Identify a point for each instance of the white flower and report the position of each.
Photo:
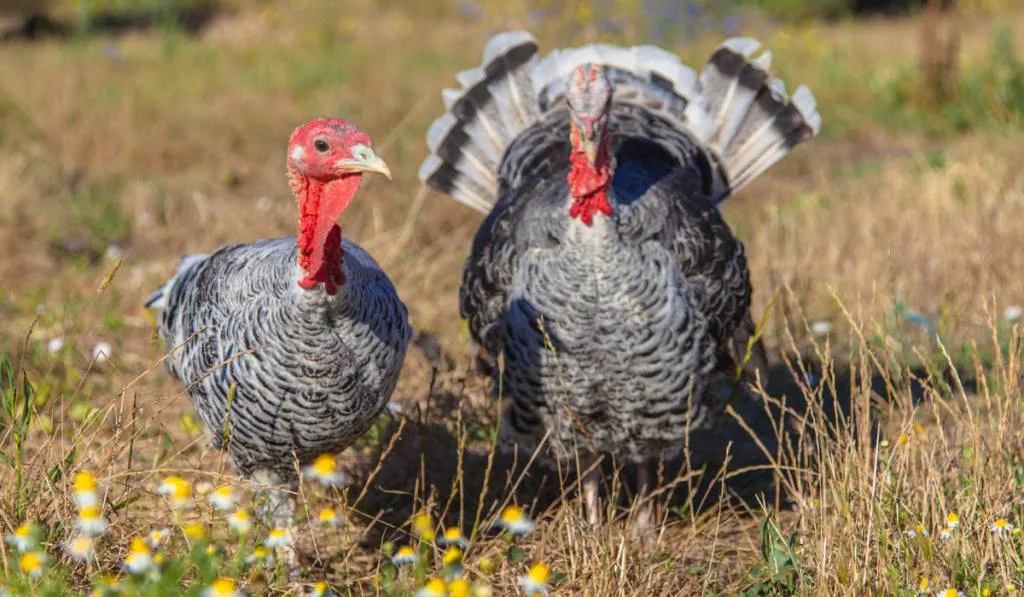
(536, 580)
(950, 592)
(54, 345)
(90, 521)
(86, 490)
(139, 559)
(952, 520)
(329, 517)
(82, 548)
(157, 536)
(453, 536)
(320, 589)
(945, 534)
(1013, 313)
(917, 530)
(261, 555)
(32, 563)
(223, 498)
(435, 587)
(325, 470)
(177, 490)
(1000, 526)
(278, 538)
(821, 328)
(404, 556)
(222, 587)
(240, 522)
(101, 352)
(23, 538)
(514, 520)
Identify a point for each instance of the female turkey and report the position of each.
(290, 348)
(604, 273)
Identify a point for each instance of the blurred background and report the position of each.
(132, 132)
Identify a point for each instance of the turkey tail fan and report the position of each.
(755, 122)
(496, 102)
(158, 299)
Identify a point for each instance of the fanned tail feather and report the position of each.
(735, 109)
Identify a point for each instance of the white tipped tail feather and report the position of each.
(735, 108)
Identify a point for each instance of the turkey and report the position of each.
(603, 273)
(290, 348)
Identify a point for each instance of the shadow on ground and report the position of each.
(426, 457)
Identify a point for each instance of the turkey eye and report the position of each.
(321, 145)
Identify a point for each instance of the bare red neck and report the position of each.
(588, 183)
(319, 237)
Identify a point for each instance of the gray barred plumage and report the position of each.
(310, 371)
(610, 331)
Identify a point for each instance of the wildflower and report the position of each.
(177, 490)
(157, 536)
(320, 589)
(1012, 313)
(203, 488)
(821, 328)
(917, 530)
(240, 521)
(86, 490)
(514, 520)
(458, 587)
(922, 586)
(325, 470)
(139, 559)
(453, 536)
(32, 563)
(950, 592)
(952, 520)
(1000, 526)
(90, 521)
(81, 548)
(54, 345)
(212, 549)
(101, 352)
(108, 584)
(1011, 589)
(452, 563)
(24, 538)
(195, 531)
(223, 498)
(261, 555)
(222, 587)
(278, 538)
(487, 565)
(536, 580)
(423, 527)
(946, 534)
(435, 587)
(328, 517)
(405, 555)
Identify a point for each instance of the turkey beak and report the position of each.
(590, 150)
(371, 163)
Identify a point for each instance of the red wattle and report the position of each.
(319, 239)
(588, 185)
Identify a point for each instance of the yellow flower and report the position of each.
(320, 589)
(536, 580)
(81, 548)
(90, 521)
(435, 587)
(85, 489)
(32, 563)
(922, 585)
(24, 538)
(986, 592)
(195, 531)
(952, 520)
(240, 522)
(328, 517)
(405, 555)
(325, 470)
(452, 555)
(139, 559)
(487, 565)
(950, 593)
(1000, 526)
(223, 498)
(277, 538)
(423, 527)
(177, 490)
(458, 588)
(514, 520)
(261, 555)
(453, 536)
(222, 587)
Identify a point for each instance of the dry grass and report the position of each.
(166, 145)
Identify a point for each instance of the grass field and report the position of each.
(885, 255)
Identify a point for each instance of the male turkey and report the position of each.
(290, 348)
(604, 273)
